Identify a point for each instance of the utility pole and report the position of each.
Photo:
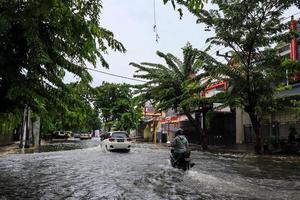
(23, 138)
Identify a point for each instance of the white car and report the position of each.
(116, 140)
(59, 135)
(85, 136)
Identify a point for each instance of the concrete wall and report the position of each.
(242, 118)
(147, 133)
(36, 132)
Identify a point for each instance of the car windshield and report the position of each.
(119, 135)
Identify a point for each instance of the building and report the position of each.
(279, 123)
(232, 125)
(222, 129)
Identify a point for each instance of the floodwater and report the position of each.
(82, 170)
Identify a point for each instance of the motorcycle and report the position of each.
(182, 162)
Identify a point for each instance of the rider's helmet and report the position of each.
(179, 132)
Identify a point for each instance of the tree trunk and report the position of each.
(256, 126)
(198, 129)
(23, 129)
(27, 140)
(204, 131)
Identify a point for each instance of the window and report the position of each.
(119, 134)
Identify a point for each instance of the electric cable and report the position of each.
(116, 75)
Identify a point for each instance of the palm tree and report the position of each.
(175, 85)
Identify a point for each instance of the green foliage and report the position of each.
(190, 4)
(9, 122)
(208, 118)
(117, 106)
(291, 68)
(282, 87)
(249, 28)
(41, 40)
(174, 85)
(74, 111)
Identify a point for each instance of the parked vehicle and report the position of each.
(116, 140)
(59, 135)
(76, 135)
(84, 136)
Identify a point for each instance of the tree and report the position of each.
(40, 40)
(191, 4)
(175, 85)
(248, 28)
(75, 111)
(117, 106)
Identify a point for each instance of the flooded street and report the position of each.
(89, 172)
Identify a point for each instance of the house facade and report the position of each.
(279, 124)
(231, 125)
(222, 127)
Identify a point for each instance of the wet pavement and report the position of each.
(82, 170)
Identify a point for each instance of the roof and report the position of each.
(287, 93)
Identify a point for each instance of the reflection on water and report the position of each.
(64, 145)
(92, 173)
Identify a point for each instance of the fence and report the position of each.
(277, 131)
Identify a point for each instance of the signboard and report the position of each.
(219, 108)
(149, 110)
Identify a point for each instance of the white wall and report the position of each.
(242, 118)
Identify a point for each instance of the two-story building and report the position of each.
(280, 122)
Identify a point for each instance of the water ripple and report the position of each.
(144, 173)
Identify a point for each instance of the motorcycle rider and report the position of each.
(180, 146)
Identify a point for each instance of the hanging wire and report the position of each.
(155, 29)
(115, 75)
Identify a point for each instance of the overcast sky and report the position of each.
(132, 23)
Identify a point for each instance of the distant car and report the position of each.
(85, 136)
(116, 140)
(59, 135)
(76, 135)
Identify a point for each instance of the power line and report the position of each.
(205, 46)
(214, 49)
(219, 48)
(116, 75)
(290, 16)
